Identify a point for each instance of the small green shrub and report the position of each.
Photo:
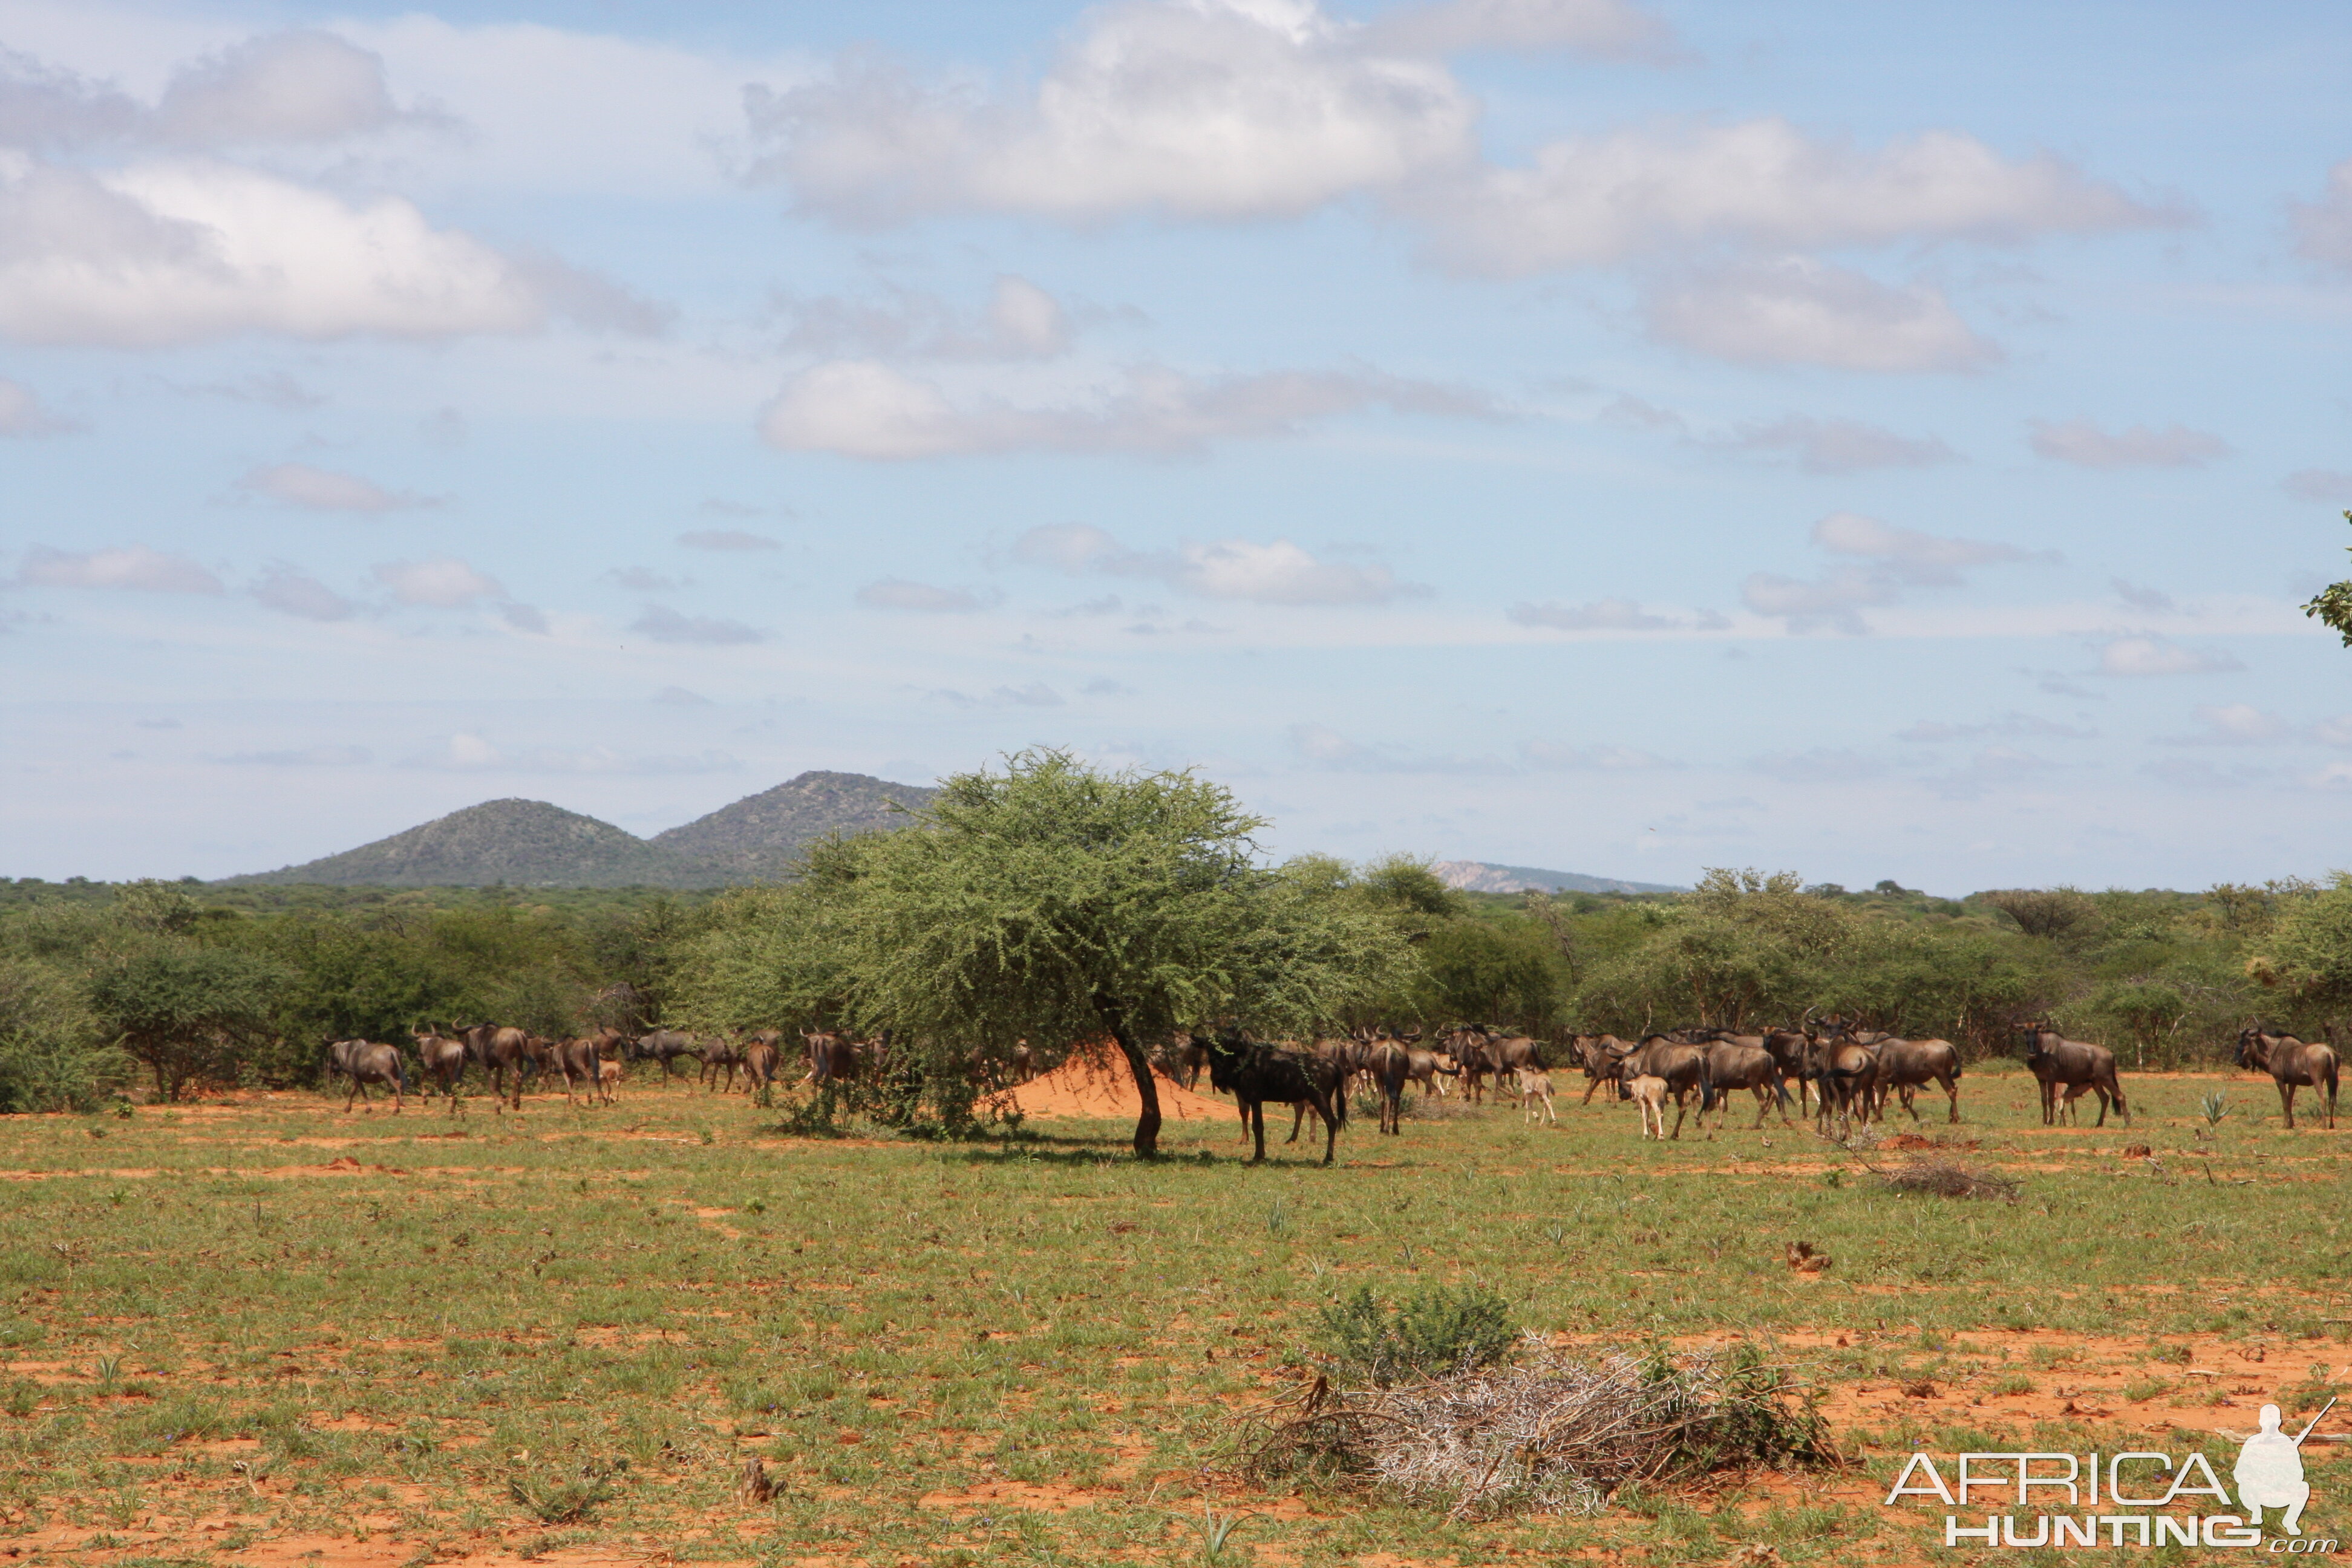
(567, 1501)
(1434, 1330)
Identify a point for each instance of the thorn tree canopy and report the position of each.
(2333, 603)
(1060, 903)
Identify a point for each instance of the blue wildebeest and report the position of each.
(2077, 1067)
(1906, 1066)
(365, 1062)
(2293, 1064)
(1255, 1073)
(1669, 1057)
(445, 1062)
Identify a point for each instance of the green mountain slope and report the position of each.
(524, 843)
(761, 835)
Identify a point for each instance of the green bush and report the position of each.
(1434, 1330)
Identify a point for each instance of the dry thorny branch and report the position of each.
(1547, 1434)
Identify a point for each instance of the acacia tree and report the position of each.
(2333, 605)
(1060, 903)
(183, 1010)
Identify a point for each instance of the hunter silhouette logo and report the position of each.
(2269, 1471)
(2126, 1498)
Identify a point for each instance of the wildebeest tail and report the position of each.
(1706, 1087)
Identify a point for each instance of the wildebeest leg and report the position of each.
(1952, 1089)
(1682, 1109)
(1256, 1115)
(1331, 1131)
(1763, 1104)
(2287, 1102)
(1297, 1116)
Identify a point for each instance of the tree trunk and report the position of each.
(1147, 1125)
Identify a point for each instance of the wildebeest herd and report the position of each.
(1840, 1070)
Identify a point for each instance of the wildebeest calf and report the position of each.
(1534, 1090)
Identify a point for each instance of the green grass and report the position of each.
(614, 1309)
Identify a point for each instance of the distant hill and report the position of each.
(1478, 877)
(524, 843)
(530, 843)
(762, 835)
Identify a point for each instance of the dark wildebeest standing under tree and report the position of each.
(2075, 1066)
(1255, 1073)
(364, 1062)
(2293, 1064)
(831, 1057)
(721, 1053)
(1600, 1055)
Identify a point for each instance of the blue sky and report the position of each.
(1875, 441)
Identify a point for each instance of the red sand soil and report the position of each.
(1105, 1091)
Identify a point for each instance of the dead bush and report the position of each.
(1949, 1178)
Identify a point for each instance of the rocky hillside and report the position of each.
(1479, 876)
(760, 835)
(524, 843)
(530, 843)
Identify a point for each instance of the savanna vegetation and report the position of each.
(1053, 904)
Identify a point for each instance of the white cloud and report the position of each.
(2185, 773)
(726, 539)
(1899, 558)
(289, 593)
(172, 253)
(284, 87)
(43, 106)
(1607, 28)
(1841, 445)
(1822, 764)
(2157, 656)
(1930, 731)
(2081, 442)
(324, 489)
(133, 566)
(861, 408)
(23, 413)
(1607, 615)
(308, 757)
(1797, 311)
(2153, 601)
(1761, 184)
(1279, 573)
(443, 581)
(2336, 732)
(644, 580)
(2329, 486)
(1551, 756)
(185, 251)
(1909, 554)
(679, 697)
(524, 618)
(664, 625)
(2323, 229)
(1213, 108)
(2234, 724)
(1988, 769)
(466, 752)
(899, 593)
(1021, 321)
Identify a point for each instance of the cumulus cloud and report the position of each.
(2234, 724)
(308, 757)
(1988, 769)
(1798, 311)
(664, 625)
(1021, 321)
(2160, 655)
(1552, 756)
(189, 250)
(2324, 485)
(679, 697)
(466, 752)
(1608, 616)
(1760, 184)
(2153, 601)
(1822, 764)
(324, 489)
(726, 539)
(1606, 28)
(443, 581)
(2083, 443)
(2323, 229)
(900, 593)
(133, 567)
(293, 87)
(1910, 555)
(1211, 109)
(861, 408)
(292, 594)
(1898, 558)
(1930, 731)
(23, 413)
(1841, 445)
(1279, 573)
(524, 618)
